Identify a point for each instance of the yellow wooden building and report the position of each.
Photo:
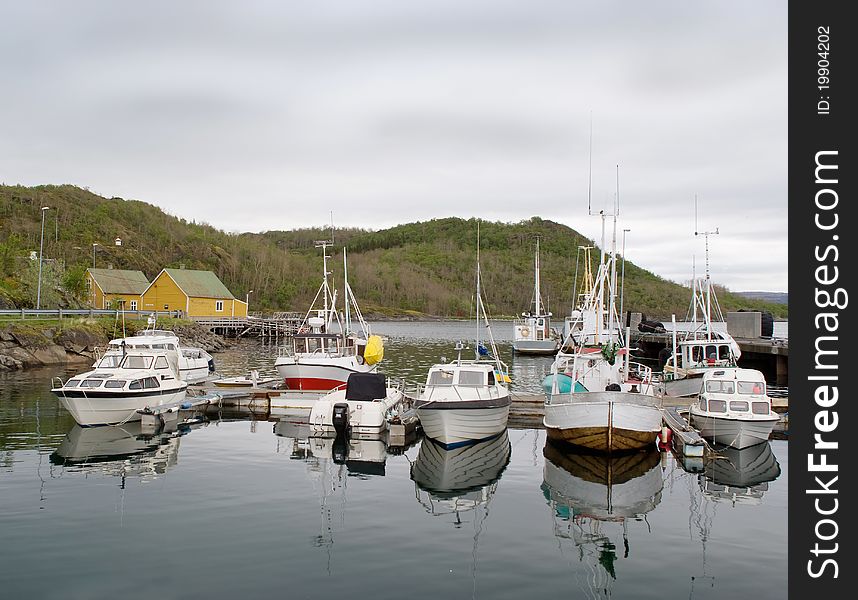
(195, 293)
(108, 288)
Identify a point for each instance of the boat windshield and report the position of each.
(720, 387)
(109, 361)
(472, 378)
(137, 362)
(751, 387)
(440, 378)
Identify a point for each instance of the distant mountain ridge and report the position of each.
(425, 268)
(773, 297)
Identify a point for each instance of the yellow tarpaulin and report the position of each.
(374, 350)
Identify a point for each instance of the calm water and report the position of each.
(251, 508)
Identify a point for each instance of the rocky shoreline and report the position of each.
(26, 345)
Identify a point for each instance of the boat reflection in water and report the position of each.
(360, 457)
(121, 450)
(461, 479)
(593, 497)
(739, 476)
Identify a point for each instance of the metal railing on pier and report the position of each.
(67, 313)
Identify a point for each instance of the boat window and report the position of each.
(150, 382)
(724, 352)
(136, 385)
(711, 352)
(137, 362)
(115, 383)
(739, 405)
(160, 346)
(760, 408)
(72, 383)
(491, 378)
(717, 406)
(702, 403)
(110, 361)
(472, 378)
(696, 353)
(719, 387)
(441, 378)
(161, 363)
(750, 387)
(91, 383)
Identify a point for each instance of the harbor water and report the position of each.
(250, 508)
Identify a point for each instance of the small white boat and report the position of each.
(122, 384)
(733, 408)
(325, 350)
(532, 332)
(195, 364)
(251, 380)
(359, 409)
(466, 401)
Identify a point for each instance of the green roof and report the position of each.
(199, 284)
(117, 281)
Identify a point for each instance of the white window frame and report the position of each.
(133, 305)
(218, 305)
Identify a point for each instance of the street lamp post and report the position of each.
(623, 276)
(247, 302)
(41, 246)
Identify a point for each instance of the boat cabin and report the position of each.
(699, 354)
(738, 392)
(468, 375)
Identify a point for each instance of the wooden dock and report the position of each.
(276, 326)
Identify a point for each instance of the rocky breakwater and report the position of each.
(26, 345)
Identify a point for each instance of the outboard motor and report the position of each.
(340, 419)
(211, 365)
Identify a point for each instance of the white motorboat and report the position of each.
(325, 350)
(360, 409)
(595, 396)
(251, 380)
(460, 479)
(733, 408)
(532, 332)
(595, 500)
(195, 364)
(466, 401)
(120, 385)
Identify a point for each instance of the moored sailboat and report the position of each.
(532, 332)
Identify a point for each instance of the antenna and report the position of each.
(590, 171)
(332, 228)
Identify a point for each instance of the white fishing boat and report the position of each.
(359, 409)
(466, 401)
(595, 396)
(740, 476)
(122, 384)
(584, 326)
(251, 380)
(195, 364)
(532, 332)
(597, 504)
(706, 345)
(451, 481)
(733, 408)
(326, 350)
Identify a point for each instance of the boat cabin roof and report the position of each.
(735, 374)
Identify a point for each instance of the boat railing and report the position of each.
(57, 380)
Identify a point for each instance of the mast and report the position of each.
(479, 300)
(537, 297)
(347, 300)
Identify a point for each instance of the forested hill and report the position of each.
(424, 267)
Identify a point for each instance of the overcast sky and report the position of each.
(254, 116)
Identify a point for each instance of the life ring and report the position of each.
(359, 359)
(525, 332)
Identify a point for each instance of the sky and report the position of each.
(255, 116)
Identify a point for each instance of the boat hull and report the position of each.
(320, 374)
(687, 387)
(604, 421)
(541, 347)
(366, 417)
(738, 433)
(454, 424)
(108, 409)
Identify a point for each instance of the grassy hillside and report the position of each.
(425, 267)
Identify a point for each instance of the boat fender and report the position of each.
(211, 365)
(664, 436)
